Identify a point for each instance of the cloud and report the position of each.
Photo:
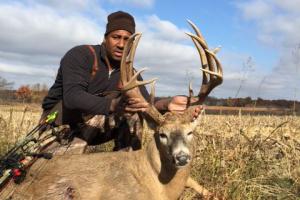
(278, 22)
(27, 70)
(34, 37)
(290, 6)
(77, 7)
(162, 29)
(277, 26)
(41, 35)
(39, 30)
(71, 5)
(36, 34)
(254, 10)
(136, 3)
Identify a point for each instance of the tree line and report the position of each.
(24, 94)
(36, 92)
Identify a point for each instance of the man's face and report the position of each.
(115, 43)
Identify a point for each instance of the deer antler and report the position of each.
(129, 78)
(211, 66)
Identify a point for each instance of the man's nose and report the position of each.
(121, 43)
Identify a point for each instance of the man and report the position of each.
(81, 84)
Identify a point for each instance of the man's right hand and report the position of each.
(136, 105)
(131, 105)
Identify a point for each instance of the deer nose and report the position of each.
(182, 159)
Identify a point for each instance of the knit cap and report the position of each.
(120, 21)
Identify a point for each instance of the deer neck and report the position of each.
(172, 178)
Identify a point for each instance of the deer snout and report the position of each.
(181, 159)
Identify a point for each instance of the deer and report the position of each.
(159, 171)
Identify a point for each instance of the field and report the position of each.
(237, 157)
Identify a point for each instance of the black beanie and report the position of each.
(120, 21)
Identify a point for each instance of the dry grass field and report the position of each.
(237, 157)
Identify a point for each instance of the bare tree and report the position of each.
(258, 90)
(296, 61)
(4, 84)
(24, 93)
(248, 66)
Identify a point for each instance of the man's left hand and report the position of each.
(179, 104)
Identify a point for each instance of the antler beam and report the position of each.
(211, 66)
(129, 80)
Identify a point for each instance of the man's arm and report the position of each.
(162, 104)
(176, 104)
(76, 76)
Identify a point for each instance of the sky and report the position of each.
(260, 41)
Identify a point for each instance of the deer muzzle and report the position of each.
(181, 159)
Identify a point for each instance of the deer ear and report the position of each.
(193, 113)
(195, 121)
(194, 118)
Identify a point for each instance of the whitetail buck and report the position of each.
(159, 171)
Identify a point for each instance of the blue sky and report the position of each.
(35, 34)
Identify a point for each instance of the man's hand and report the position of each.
(179, 104)
(136, 105)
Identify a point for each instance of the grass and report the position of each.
(249, 158)
(15, 122)
(237, 157)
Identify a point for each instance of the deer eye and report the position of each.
(189, 136)
(190, 133)
(163, 136)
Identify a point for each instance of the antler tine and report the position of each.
(219, 72)
(191, 92)
(133, 82)
(204, 63)
(202, 43)
(196, 29)
(129, 78)
(127, 58)
(152, 93)
(211, 66)
(135, 42)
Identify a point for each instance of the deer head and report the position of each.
(174, 131)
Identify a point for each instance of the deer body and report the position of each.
(145, 174)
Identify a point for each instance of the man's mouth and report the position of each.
(118, 53)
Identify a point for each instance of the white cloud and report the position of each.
(40, 30)
(277, 26)
(34, 37)
(43, 71)
(162, 29)
(137, 3)
(291, 6)
(66, 4)
(255, 9)
(92, 7)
